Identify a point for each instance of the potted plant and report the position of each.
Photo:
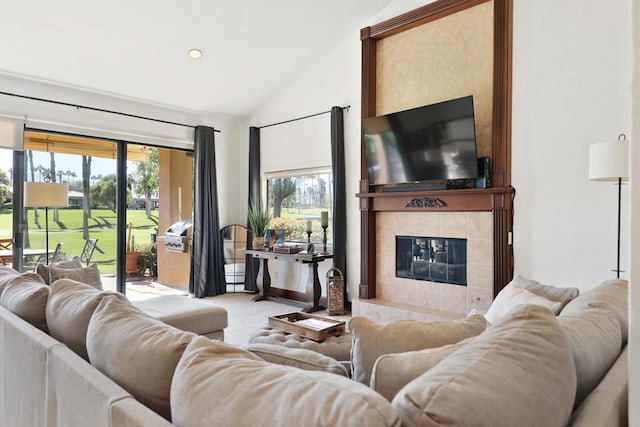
(259, 219)
(147, 261)
(131, 256)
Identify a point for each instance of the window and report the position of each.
(296, 197)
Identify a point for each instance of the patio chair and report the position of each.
(87, 251)
(6, 245)
(57, 254)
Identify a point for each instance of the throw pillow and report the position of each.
(87, 275)
(371, 340)
(517, 373)
(562, 295)
(596, 338)
(612, 295)
(224, 385)
(43, 269)
(513, 295)
(7, 274)
(136, 351)
(393, 371)
(69, 309)
(297, 357)
(26, 296)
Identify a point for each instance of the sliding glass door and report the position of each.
(120, 199)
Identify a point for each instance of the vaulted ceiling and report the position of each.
(138, 49)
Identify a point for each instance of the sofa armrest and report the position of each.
(607, 405)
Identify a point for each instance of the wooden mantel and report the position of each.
(499, 198)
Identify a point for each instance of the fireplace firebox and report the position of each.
(434, 259)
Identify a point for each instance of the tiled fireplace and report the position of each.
(406, 298)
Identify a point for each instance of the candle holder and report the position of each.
(324, 240)
(309, 236)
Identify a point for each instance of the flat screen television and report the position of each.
(434, 142)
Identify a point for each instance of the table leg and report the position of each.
(313, 290)
(263, 279)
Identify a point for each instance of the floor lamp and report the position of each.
(608, 161)
(46, 195)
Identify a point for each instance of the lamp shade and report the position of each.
(46, 194)
(608, 161)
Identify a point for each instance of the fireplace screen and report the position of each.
(432, 258)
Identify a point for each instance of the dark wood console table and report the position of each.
(313, 289)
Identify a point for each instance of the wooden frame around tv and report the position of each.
(499, 198)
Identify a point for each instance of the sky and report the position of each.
(64, 162)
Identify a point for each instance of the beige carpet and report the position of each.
(244, 315)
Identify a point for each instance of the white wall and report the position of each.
(572, 74)
(334, 80)
(634, 297)
(85, 122)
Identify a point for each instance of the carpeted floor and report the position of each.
(244, 315)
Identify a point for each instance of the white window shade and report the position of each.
(11, 131)
(302, 144)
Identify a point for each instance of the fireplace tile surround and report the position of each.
(401, 298)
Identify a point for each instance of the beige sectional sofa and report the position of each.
(530, 368)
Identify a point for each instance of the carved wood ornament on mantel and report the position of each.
(426, 202)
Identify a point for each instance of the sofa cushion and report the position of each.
(393, 371)
(371, 340)
(69, 309)
(136, 351)
(188, 314)
(297, 357)
(558, 294)
(595, 339)
(221, 384)
(43, 269)
(513, 295)
(608, 404)
(517, 373)
(6, 275)
(87, 275)
(25, 295)
(611, 295)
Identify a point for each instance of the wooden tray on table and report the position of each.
(306, 325)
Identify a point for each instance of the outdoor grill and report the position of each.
(178, 235)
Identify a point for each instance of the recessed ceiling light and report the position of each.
(194, 53)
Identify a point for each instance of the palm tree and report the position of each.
(86, 206)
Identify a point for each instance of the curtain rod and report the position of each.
(301, 118)
(102, 110)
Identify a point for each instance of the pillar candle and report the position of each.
(309, 225)
(324, 218)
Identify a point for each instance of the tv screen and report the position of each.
(434, 142)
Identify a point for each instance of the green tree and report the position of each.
(86, 207)
(4, 188)
(104, 192)
(280, 189)
(147, 178)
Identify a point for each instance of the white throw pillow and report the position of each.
(513, 295)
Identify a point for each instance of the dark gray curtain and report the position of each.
(339, 194)
(252, 265)
(207, 257)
